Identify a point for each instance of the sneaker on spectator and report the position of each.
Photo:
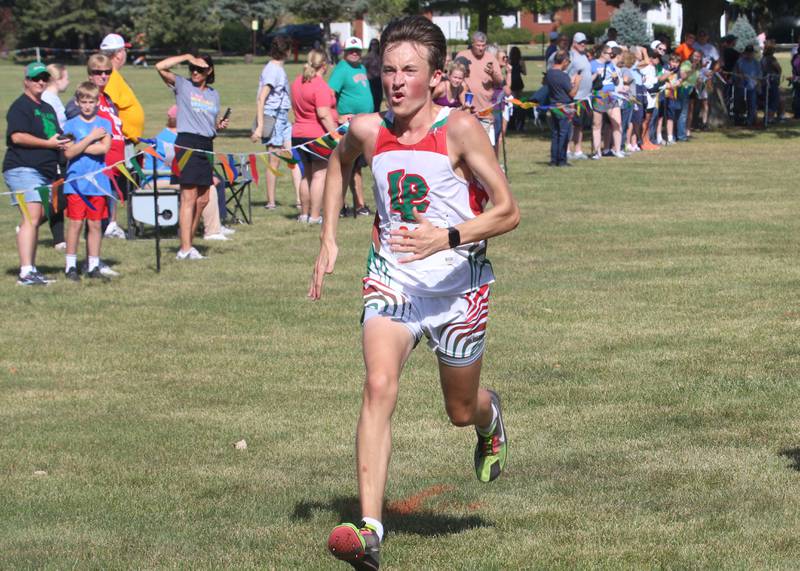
(72, 275)
(570, 155)
(96, 274)
(344, 212)
(43, 277)
(270, 206)
(618, 154)
(31, 279)
(106, 270)
(579, 156)
(227, 231)
(608, 153)
(218, 236)
(61, 246)
(114, 231)
(302, 218)
(191, 254)
(596, 157)
(364, 211)
(315, 220)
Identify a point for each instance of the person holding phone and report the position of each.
(483, 79)
(198, 123)
(33, 142)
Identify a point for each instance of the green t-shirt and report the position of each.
(691, 76)
(351, 86)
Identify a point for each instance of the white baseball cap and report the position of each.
(113, 42)
(579, 37)
(612, 44)
(654, 44)
(353, 43)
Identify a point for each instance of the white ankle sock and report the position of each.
(489, 429)
(94, 261)
(72, 261)
(374, 523)
(25, 270)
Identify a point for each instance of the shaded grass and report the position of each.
(643, 335)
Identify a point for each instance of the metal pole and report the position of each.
(38, 55)
(157, 213)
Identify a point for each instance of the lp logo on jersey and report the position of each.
(407, 192)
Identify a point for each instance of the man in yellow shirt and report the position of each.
(130, 110)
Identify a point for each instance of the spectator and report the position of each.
(795, 82)
(605, 105)
(198, 108)
(703, 44)
(552, 48)
(686, 85)
(626, 89)
(580, 66)
(450, 91)
(129, 109)
(686, 49)
(562, 45)
(651, 86)
(334, 48)
(518, 69)
(748, 76)
(502, 109)
(92, 140)
(483, 79)
(100, 70)
(274, 101)
(372, 63)
(562, 91)
(694, 86)
(674, 99)
(612, 35)
(59, 81)
(353, 96)
(314, 106)
(771, 72)
(33, 142)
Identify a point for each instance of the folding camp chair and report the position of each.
(238, 201)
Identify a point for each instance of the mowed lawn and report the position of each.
(643, 335)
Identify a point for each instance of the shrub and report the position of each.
(593, 30)
(234, 37)
(744, 32)
(505, 36)
(631, 25)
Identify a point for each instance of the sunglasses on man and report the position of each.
(42, 77)
(100, 72)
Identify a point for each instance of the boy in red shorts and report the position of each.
(87, 186)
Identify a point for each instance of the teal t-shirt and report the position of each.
(351, 86)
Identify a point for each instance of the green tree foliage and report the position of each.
(245, 11)
(631, 25)
(60, 23)
(380, 12)
(327, 11)
(744, 32)
(182, 26)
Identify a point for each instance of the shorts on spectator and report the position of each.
(25, 180)
(77, 209)
(673, 109)
(307, 156)
(488, 126)
(455, 325)
(281, 133)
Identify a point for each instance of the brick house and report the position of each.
(582, 11)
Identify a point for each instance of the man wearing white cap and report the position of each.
(350, 83)
(130, 110)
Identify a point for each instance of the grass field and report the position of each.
(643, 333)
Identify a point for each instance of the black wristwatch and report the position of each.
(454, 236)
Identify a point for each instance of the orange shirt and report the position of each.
(684, 51)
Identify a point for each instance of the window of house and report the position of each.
(585, 10)
(544, 18)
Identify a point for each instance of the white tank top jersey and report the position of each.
(420, 176)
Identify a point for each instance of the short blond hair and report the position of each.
(98, 60)
(86, 90)
(316, 59)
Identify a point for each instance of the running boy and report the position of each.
(92, 135)
(434, 171)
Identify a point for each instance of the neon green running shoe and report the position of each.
(492, 449)
(358, 546)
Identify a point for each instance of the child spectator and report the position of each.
(748, 76)
(673, 97)
(86, 197)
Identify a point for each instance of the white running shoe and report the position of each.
(315, 220)
(570, 155)
(580, 156)
(219, 236)
(191, 254)
(114, 231)
(619, 154)
(596, 157)
(227, 231)
(61, 246)
(303, 218)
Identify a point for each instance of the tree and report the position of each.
(327, 11)
(185, 26)
(744, 32)
(631, 25)
(60, 23)
(245, 11)
(381, 12)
